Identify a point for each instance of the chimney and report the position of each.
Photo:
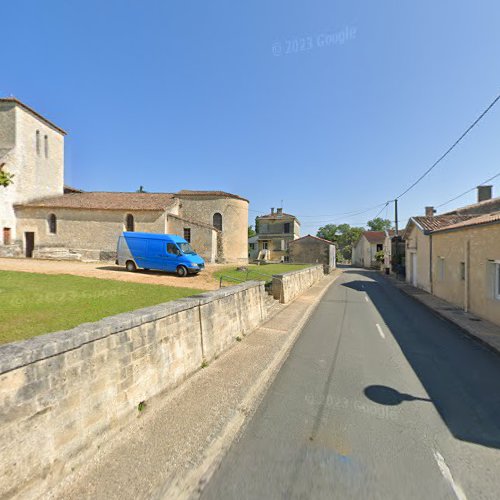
(272, 211)
(429, 211)
(484, 193)
(280, 211)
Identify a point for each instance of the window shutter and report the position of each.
(490, 279)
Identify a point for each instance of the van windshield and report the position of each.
(186, 248)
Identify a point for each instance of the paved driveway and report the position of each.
(104, 270)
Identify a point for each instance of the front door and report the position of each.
(414, 269)
(30, 244)
(6, 235)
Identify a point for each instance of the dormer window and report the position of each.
(38, 142)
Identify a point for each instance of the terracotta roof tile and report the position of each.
(483, 207)
(221, 194)
(314, 237)
(374, 236)
(105, 201)
(474, 221)
(439, 221)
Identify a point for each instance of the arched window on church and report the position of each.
(217, 221)
(129, 223)
(52, 224)
(37, 142)
(46, 139)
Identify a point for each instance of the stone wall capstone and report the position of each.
(287, 286)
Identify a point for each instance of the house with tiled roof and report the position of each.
(275, 231)
(367, 246)
(313, 250)
(420, 232)
(40, 216)
(466, 265)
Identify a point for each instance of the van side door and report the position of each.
(173, 254)
(157, 255)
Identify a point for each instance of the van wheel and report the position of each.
(130, 266)
(182, 271)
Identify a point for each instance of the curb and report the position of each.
(440, 315)
(191, 486)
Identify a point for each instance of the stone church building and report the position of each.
(41, 217)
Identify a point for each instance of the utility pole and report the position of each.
(396, 215)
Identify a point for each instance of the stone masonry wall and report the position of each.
(63, 394)
(287, 286)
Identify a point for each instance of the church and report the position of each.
(40, 217)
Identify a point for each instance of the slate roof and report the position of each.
(473, 221)
(14, 100)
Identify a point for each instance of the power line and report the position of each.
(468, 191)
(448, 151)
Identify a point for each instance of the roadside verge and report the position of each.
(178, 441)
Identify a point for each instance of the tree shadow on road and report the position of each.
(461, 377)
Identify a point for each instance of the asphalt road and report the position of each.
(379, 398)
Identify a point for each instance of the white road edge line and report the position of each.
(445, 471)
(382, 334)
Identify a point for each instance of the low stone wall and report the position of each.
(287, 286)
(14, 250)
(65, 393)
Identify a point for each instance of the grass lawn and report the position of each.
(267, 270)
(32, 304)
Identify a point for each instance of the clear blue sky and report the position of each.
(218, 95)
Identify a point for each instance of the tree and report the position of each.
(343, 236)
(251, 231)
(257, 225)
(141, 190)
(5, 177)
(379, 224)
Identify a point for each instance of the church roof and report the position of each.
(208, 194)
(105, 201)
(14, 100)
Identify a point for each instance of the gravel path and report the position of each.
(107, 270)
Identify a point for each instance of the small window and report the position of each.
(172, 249)
(380, 247)
(38, 142)
(187, 234)
(52, 224)
(130, 223)
(462, 271)
(286, 227)
(252, 246)
(46, 146)
(217, 221)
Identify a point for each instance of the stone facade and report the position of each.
(313, 250)
(287, 286)
(63, 394)
(38, 215)
(275, 231)
(31, 148)
(464, 269)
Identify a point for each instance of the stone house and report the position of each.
(40, 217)
(313, 250)
(419, 239)
(365, 249)
(275, 231)
(466, 265)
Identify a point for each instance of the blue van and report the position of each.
(164, 252)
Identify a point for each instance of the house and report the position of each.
(40, 217)
(466, 265)
(313, 250)
(368, 244)
(275, 231)
(419, 231)
(253, 247)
